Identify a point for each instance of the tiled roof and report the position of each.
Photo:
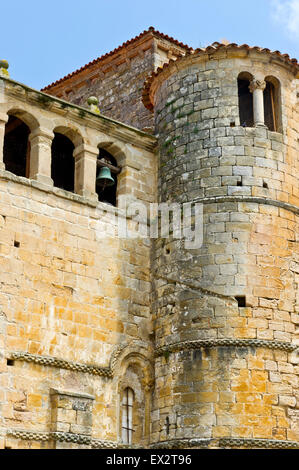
(216, 46)
(125, 44)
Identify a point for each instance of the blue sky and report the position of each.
(43, 41)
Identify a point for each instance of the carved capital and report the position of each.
(147, 381)
(257, 85)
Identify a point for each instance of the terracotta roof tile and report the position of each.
(216, 46)
(125, 44)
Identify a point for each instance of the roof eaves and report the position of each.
(114, 51)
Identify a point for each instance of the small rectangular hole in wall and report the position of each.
(239, 183)
(16, 244)
(241, 301)
(10, 362)
(265, 185)
(233, 124)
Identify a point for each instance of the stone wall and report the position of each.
(74, 301)
(224, 369)
(117, 80)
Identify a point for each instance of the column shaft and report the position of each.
(257, 89)
(86, 171)
(3, 121)
(40, 156)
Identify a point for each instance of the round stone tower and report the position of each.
(227, 314)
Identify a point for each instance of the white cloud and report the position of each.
(286, 13)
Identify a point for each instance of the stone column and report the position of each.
(257, 89)
(86, 171)
(3, 121)
(40, 156)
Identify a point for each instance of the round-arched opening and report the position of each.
(272, 104)
(63, 162)
(245, 100)
(16, 151)
(107, 193)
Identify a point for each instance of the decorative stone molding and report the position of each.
(252, 199)
(61, 437)
(258, 443)
(226, 342)
(182, 443)
(107, 371)
(226, 442)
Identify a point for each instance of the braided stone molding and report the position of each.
(182, 443)
(258, 443)
(107, 371)
(226, 442)
(29, 435)
(62, 437)
(228, 342)
(252, 199)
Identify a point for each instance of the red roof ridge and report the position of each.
(208, 50)
(151, 29)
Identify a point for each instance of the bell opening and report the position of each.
(106, 181)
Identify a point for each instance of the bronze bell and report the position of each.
(104, 177)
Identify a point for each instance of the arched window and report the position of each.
(105, 188)
(245, 100)
(127, 416)
(272, 104)
(16, 152)
(63, 162)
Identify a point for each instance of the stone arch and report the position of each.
(66, 139)
(272, 104)
(245, 99)
(29, 119)
(72, 133)
(116, 149)
(16, 148)
(114, 154)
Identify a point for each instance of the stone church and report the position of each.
(116, 342)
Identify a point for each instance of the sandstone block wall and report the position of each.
(74, 300)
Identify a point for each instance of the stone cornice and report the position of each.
(226, 443)
(252, 199)
(225, 342)
(107, 371)
(81, 439)
(62, 437)
(257, 443)
(81, 115)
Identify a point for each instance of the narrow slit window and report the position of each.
(127, 416)
(245, 100)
